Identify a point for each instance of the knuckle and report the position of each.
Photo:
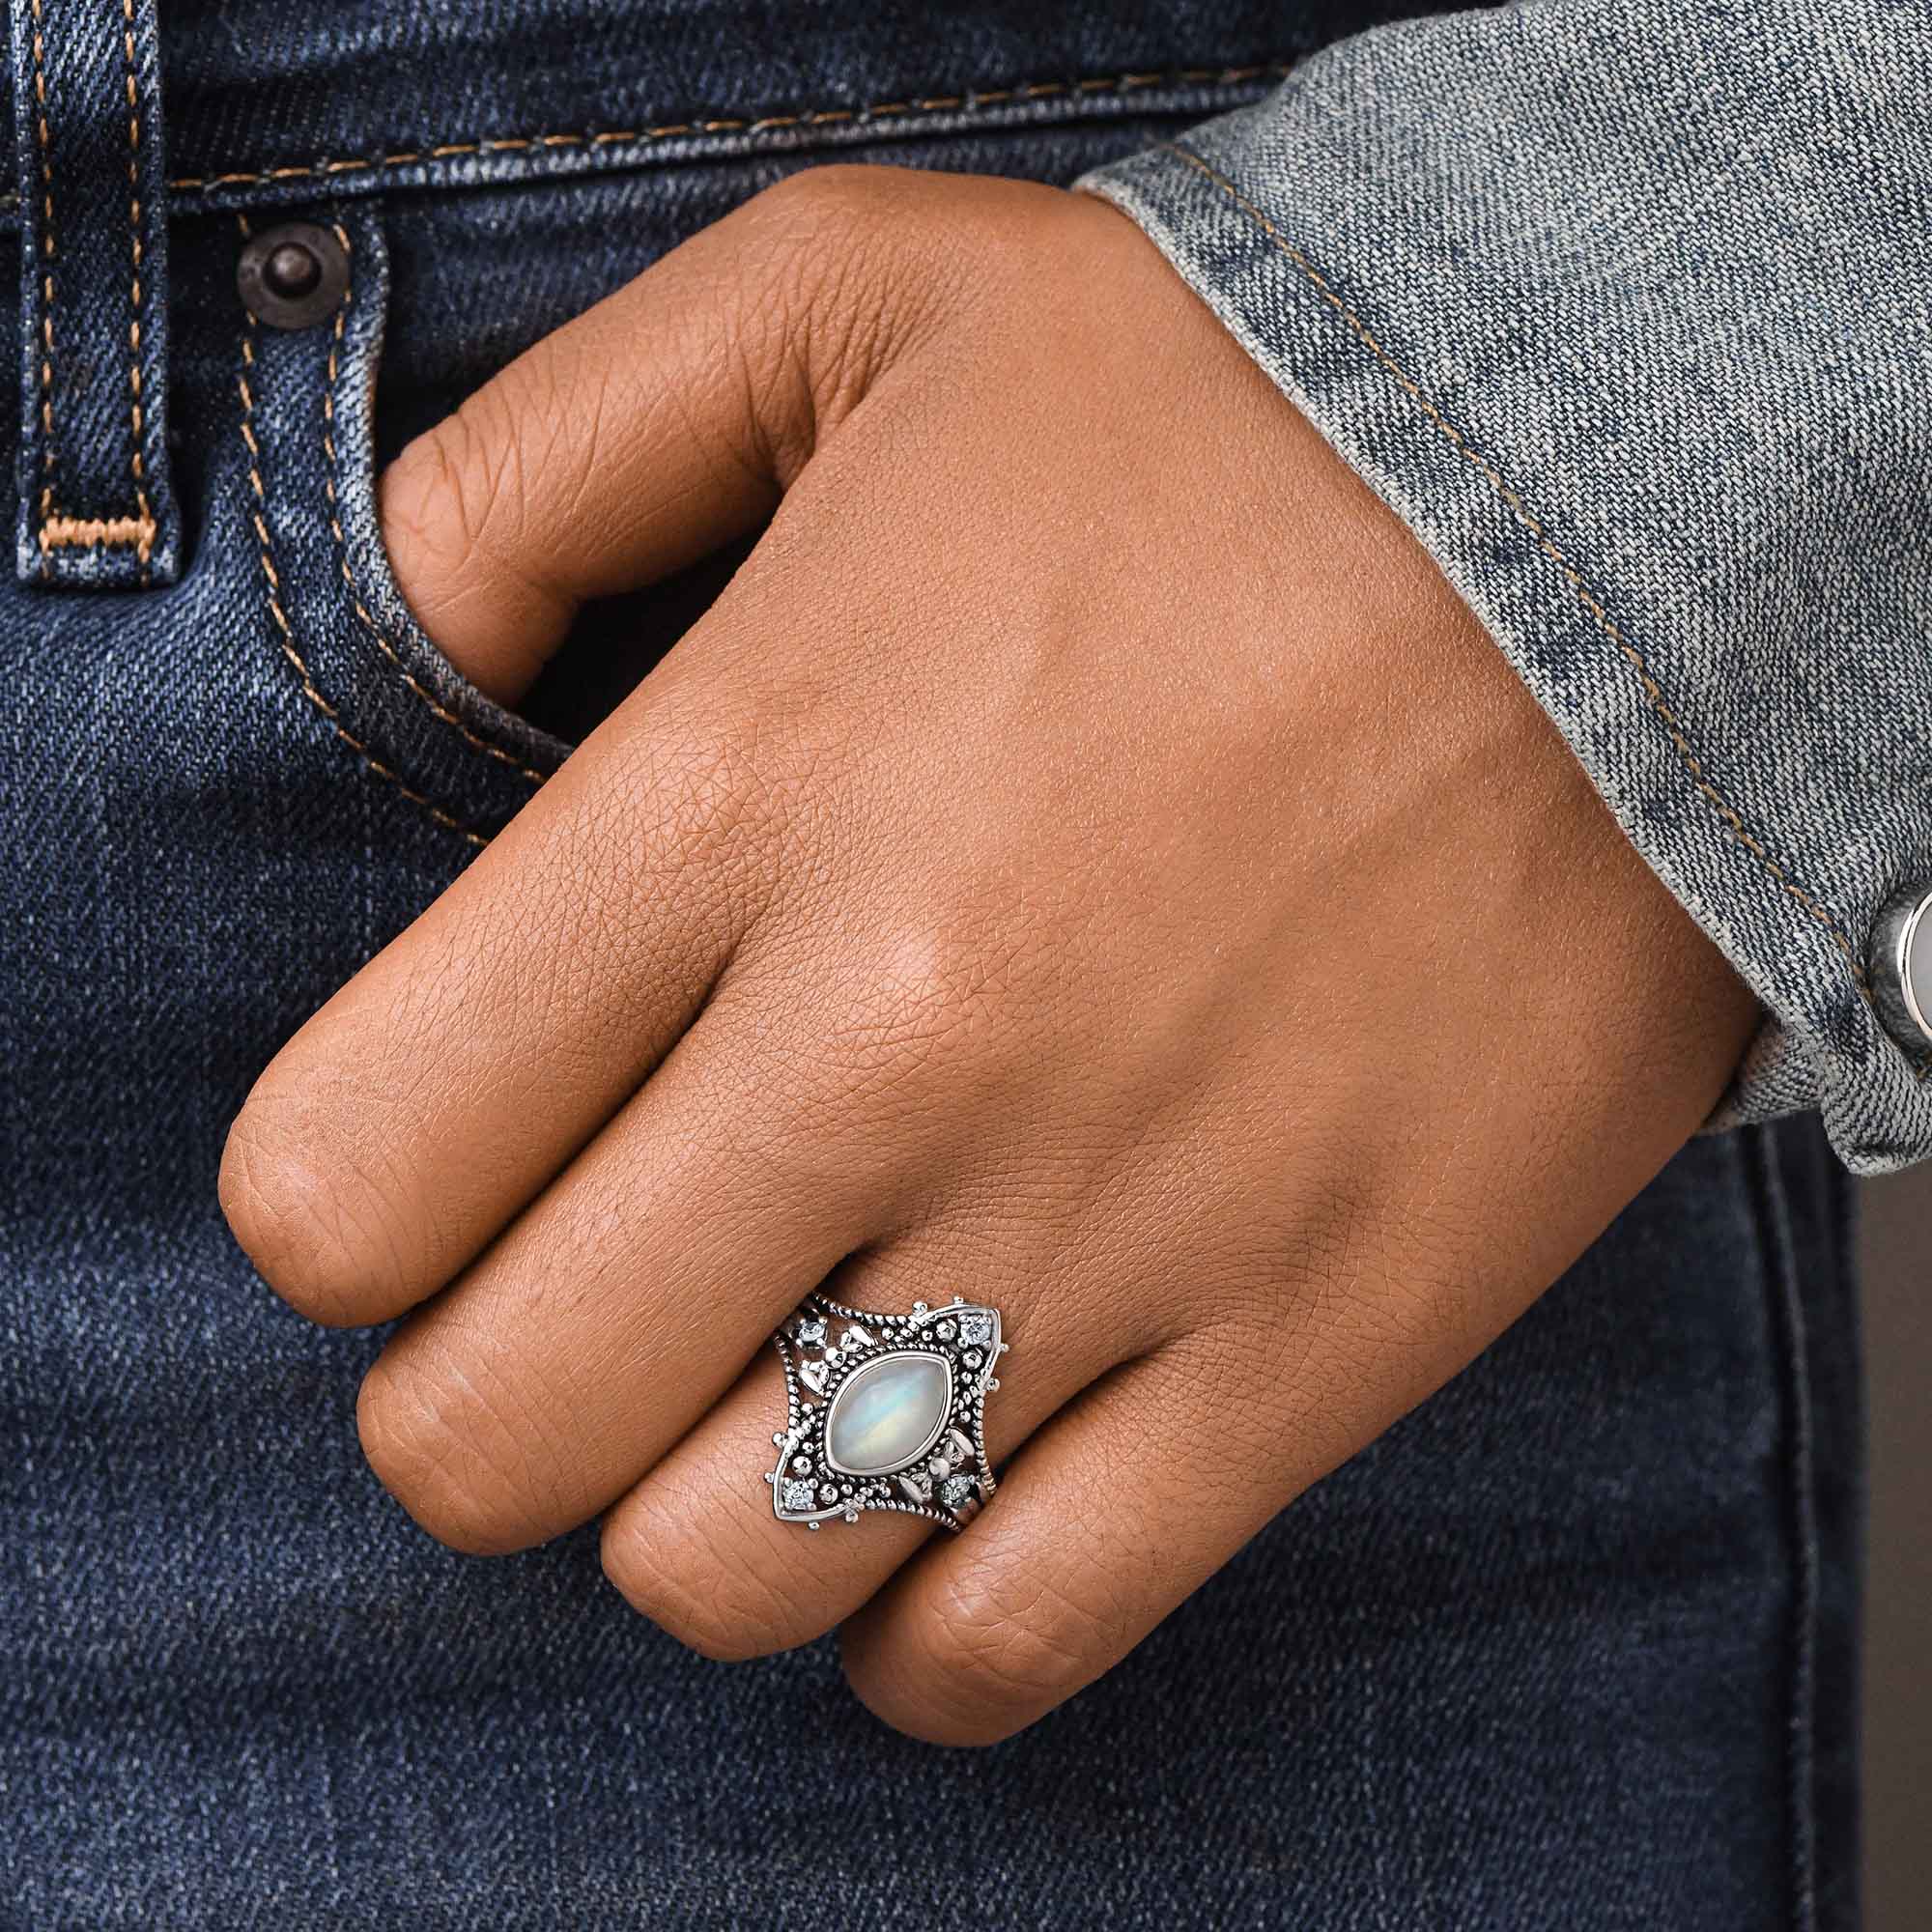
(998, 1652)
(722, 1609)
(699, 804)
(829, 201)
(846, 265)
(711, 791)
(446, 1458)
(319, 1229)
(926, 995)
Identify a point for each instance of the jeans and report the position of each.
(1572, 1646)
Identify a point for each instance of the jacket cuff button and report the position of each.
(1899, 963)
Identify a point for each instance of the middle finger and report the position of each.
(698, 1545)
(628, 1297)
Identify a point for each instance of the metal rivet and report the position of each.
(1900, 966)
(291, 271)
(293, 276)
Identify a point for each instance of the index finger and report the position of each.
(439, 1090)
(427, 1101)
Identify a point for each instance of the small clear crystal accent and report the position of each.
(976, 1329)
(811, 1332)
(799, 1496)
(954, 1490)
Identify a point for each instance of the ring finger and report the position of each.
(697, 1544)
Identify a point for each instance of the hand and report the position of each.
(1088, 861)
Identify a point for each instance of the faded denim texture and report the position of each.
(1573, 1647)
(1625, 307)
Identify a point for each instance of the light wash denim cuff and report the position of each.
(1623, 306)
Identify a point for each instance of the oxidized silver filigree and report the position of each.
(885, 1412)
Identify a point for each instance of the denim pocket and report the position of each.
(361, 660)
(485, 272)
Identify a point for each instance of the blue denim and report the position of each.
(1572, 1646)
(95, 502)
(1625, 307)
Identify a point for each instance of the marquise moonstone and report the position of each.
(887, 1413)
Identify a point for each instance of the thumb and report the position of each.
(650, 430)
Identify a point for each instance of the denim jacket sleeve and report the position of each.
(1625, 307)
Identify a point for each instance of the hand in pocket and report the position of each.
(1089, 860)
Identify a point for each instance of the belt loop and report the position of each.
(97, 509)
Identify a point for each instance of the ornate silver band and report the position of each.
(885, 1412)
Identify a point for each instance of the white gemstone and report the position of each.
(887, 1413)
(976, 1329)
(798, 1495)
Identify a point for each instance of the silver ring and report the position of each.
(885, 1412)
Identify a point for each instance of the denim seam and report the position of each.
(144, 548)
(1778, 1263)
(286, 640)
(430, 702)
(58, 530)
(47, 286)
(1653, 690)
(970, 101)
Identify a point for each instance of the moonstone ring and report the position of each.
(885, 1412)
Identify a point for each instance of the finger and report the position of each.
(1109, 1517)
(698, 1546)
(628, 1296)
(775, 1141)
(422, 1107)
(429, 1100)
(655, 427)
